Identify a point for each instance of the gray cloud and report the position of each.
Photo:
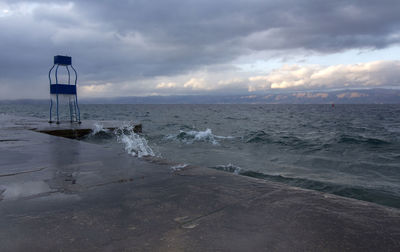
(134, 41)
(316, 25)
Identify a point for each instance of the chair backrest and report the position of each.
(62, 60)
(63, 88)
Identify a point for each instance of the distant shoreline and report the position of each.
(356, 96)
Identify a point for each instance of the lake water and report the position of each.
(348, 150)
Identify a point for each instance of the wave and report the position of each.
(312, 144)
(228, 168)
(135, 144)
(283, 139)
(236, 118)
(361, 140)
(376, 195)
(258, 137)
(192, 136)
(178, 167)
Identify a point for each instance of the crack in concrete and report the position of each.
(112, 182)
(23, 172)
(1, 194)
(194, 222)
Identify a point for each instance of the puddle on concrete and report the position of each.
(22, 190)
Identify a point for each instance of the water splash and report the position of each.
(97, 128)
(135, 144)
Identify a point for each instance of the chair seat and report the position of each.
(63, 89)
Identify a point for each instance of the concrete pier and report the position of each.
(60, 194)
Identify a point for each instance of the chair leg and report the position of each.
(77, 107)
(51, 107)
(58, 118)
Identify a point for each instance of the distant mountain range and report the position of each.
(367, 96)
(360, 96)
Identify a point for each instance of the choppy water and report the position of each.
(348, 150)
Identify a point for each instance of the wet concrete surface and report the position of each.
(59, 194)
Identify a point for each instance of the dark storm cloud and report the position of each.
(115, 41)
(315, 24)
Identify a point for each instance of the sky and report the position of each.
(207, 47)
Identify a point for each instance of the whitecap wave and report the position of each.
(178, 167)
(135, 144)
(197, 136)
(229, 168)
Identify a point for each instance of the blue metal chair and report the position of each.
(68, 90)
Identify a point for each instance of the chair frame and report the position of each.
(64, 89)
